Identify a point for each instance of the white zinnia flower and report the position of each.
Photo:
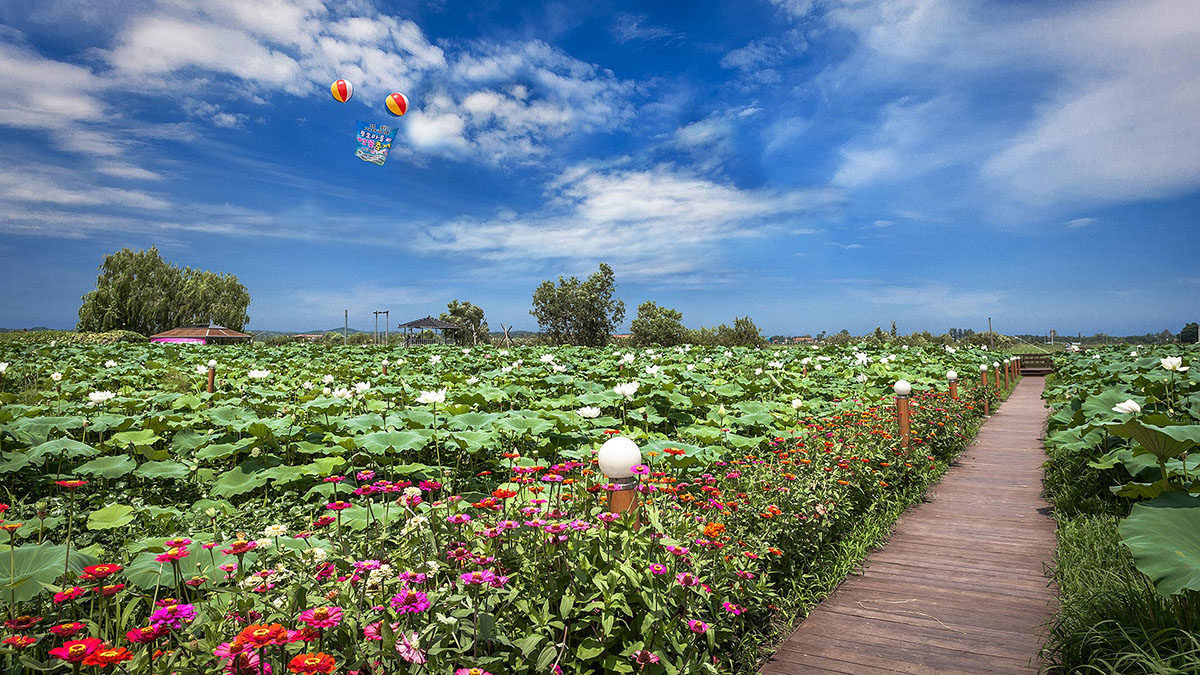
(438, 396)
(627, 389)
(1128, 407)
(274, 531)
(589, 412)
(56, 377)
(317, 553)
(1174, 363)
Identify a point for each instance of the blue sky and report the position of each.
(816, 164)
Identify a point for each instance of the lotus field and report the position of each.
(1123, 475)
(439, 509)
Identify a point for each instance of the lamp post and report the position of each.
(952, 377)
(617, 457)
(996, 369)
(983, 374)
(212, 376)
(385, 364)
(903, 389)
(1007, 371)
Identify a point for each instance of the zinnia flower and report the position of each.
(263, 635)
(75, 651)
(312, 663)
(698, 627)
(20, 641)
(322, 617)
(471, 671)
(66, 630)
(23, 622)
(173, 616)
(145, 634)
(410, 601)
(97, 572)
(68, 594)
(107, 656)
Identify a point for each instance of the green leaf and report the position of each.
(1162, 442)
(26, 569)
(113, 466)
(382, 442)
(109, 517)
(589, 649)
(1164, 537)
(166, 469)
(67, 446)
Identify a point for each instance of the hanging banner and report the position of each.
(374, 142)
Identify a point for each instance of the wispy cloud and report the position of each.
(636, 27)
(937, 300)
(1081, 222)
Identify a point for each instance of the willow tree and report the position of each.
(141, 292)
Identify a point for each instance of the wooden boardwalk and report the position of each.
(960, 587)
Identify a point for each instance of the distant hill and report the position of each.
(25, 330)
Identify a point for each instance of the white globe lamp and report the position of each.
(618, 456)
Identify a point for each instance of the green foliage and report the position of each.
(743, 333)
(71, 337)
(1189, 333)
(579, 312)
(472, 326)
(141, 292)
(656, 325)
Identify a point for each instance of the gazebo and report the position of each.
(202, 335)
(421, 325)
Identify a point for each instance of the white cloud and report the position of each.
(911, 139)
(633, 27)
(65, 188)
(1081, 222)
(936, 300)
(649, 223)
(1116, 83)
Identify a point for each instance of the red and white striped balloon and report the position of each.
(342, 90)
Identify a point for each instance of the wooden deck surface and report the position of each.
(960, 587)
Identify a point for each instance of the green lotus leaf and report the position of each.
(237, 481)
(164, 469)
(64, 446)
(381, 442)
(110, 467)
(26, 569)
(1164, 537)
(1162, 442)
(109, 517)
(128, 439)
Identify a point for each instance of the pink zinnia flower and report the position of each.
(641, 469)
(657, 568)
(322, 617)
(698, 627)
(459, 518)
(406, 646)
(373, 631)
(473, 578)
(687, 579)
(410, 601)
(732, 608)
(338, 506)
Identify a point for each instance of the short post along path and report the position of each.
(960, 587)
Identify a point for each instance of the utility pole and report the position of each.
(384, 312)
(991, 336)
(346, 330)
(387, 322)
(375, 335)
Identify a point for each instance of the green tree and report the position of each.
(1188, 335)
(579, 312)
(743, 333)
(472, 327)
(141, 292)
(656, 325)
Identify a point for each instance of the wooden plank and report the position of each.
(961, 586)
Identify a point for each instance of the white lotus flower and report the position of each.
(506, 369)
(436, 358)
(201, 369)
(652, 370)
(707, 360)
(259, 374)
(547, 358)
(805, 361)
(818, 366)
(342, 392)
(328, 379)
(3, 367)
(758, 371)
(110, 364)
(861, 378)
(307, 386)
(503, 352)
(326, 390)
(385, 362)
(98, 397)
(466, 350)
(362, 387)
(589, 412)
(438, 396)
(627, 389)
(797, 403)
(559, 369)
(57, 377)
(274, 531)
(728, 354)
(775, 364)
(627, 358)
(1174, 363)
(950, 350)
(472, 380)
(1133, 353)
(983, 368)
(691, 366)
(1129, 407)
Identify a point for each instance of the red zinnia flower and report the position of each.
(145, 634)
(75, 651)
(20, 641)
(107, 656)
(23, 622)
(70, 484)
(67, 630)
(312, 663)
(263, 635)
(97, 572)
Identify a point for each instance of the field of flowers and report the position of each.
(1122, 473)
(439, 509)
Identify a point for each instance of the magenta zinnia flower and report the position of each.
(657, 568)
(173, 616)
(322, 617)
(687, 579)
(410, 601)
(698, 627)
(473, 578)
(372, 631)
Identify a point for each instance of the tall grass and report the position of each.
(1111, 619)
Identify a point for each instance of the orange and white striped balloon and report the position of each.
(397, 104)
(342, 90)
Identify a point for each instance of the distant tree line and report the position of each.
(141, 292)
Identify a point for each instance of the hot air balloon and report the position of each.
(342, 90)
(397, 104)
